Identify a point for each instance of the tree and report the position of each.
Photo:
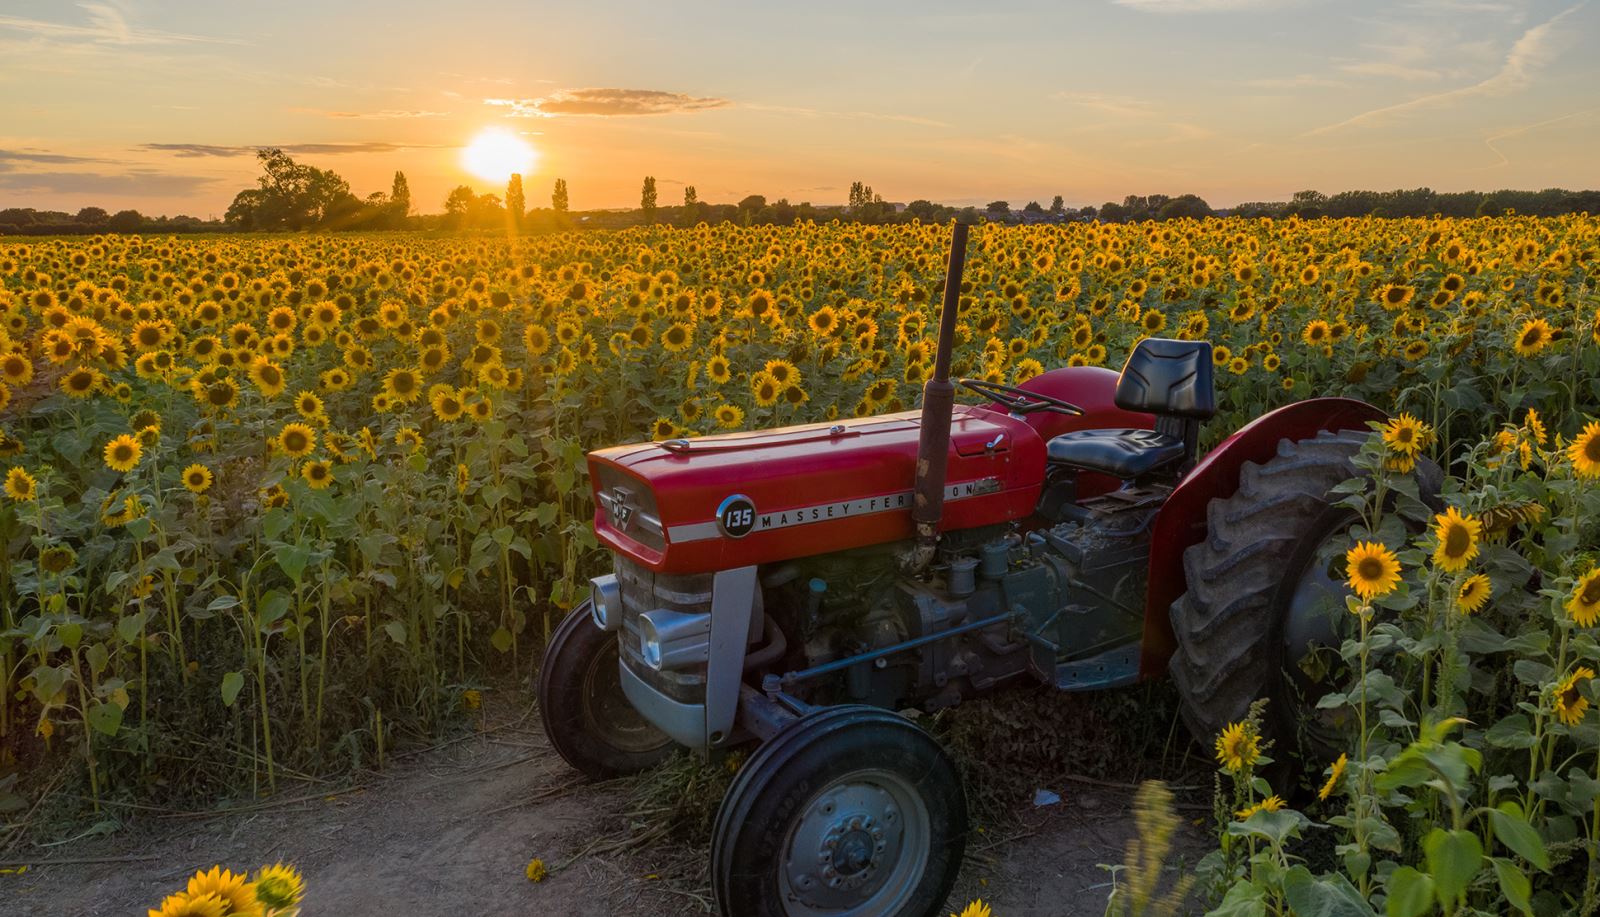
(647, 198)
(753, 203)
(690, 196)
(558, 197)
(457, 205)
(1185, 205)
(1001, 208)
(1113, 212)
(515, 205)
(292, 196)
(1057, 205)
(399, 201)
(1032, 207)
(125, 221)
(93, 216)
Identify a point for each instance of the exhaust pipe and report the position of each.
(938, 399)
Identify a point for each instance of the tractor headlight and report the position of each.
(605, 602)
(673, 639)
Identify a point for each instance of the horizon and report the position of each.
(160, 107)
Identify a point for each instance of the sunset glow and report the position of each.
(495, 155)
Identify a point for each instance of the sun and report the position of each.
(495, 155)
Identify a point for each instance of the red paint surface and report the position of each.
(808, 465)
(1182, 521)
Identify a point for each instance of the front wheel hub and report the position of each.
(852, 849)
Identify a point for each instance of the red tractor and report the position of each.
(796, 587)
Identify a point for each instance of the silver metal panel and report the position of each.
(684, 723)
(733, 594)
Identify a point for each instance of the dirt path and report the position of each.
(450, 832)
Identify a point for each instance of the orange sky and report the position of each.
(158, 105)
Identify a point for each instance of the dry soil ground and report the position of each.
(450, 831)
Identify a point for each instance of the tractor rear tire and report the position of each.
(1260, 546)
(850, 810)
(586, 716)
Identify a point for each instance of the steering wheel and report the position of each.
(1020, 401)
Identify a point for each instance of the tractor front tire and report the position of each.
(1265, 546)
(850, 810)
(586, 716)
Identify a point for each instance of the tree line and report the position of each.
(293, 196)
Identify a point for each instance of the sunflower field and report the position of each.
(273, 504)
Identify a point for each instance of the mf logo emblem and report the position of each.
(621, 512)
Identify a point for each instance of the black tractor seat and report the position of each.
(1126, 454)
(1170, 379)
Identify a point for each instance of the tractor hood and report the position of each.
(715, 502)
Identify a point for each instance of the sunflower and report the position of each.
(279, 887)
(765, 389)
(1270, 804)
(1585, 451)
(268, 377)
(234, 890)
(677, 337)
(976, 909)
(1395, 295)
(123, 452)
(56, 559)
(1316, 333)
(184, 905)
(1474, 592)
(729, 416)
(21, 486)
(16, 368)
(1534, 337)
(81, 382)
(224, 393)
(1458, 540)
(318, 474)
(718, 370)
(1374, 570)
(784, 372)
(1335, 775)
(402, 384)
(197, 478)
(309, 405)
(296, 440)
(1570, 704)
(1405, 435)
(1239, 746)
(447, 405)
(1584, 605)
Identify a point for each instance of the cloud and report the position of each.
(1202, 6)
(855, 115)
(1110, 104)
(1391, 71)
(106, 25)
(202, 150)
(134, 183)
(1537, 47)
(1509, 133)
(1298, 81)
(387, 114)
(45, 158)
(196, 150)
(607, 103)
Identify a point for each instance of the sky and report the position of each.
(158, 105)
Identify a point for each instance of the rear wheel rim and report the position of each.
(860, 846)
(607, 712)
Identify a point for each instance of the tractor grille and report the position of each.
(644, 590)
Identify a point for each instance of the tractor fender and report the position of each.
(1181, 522)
